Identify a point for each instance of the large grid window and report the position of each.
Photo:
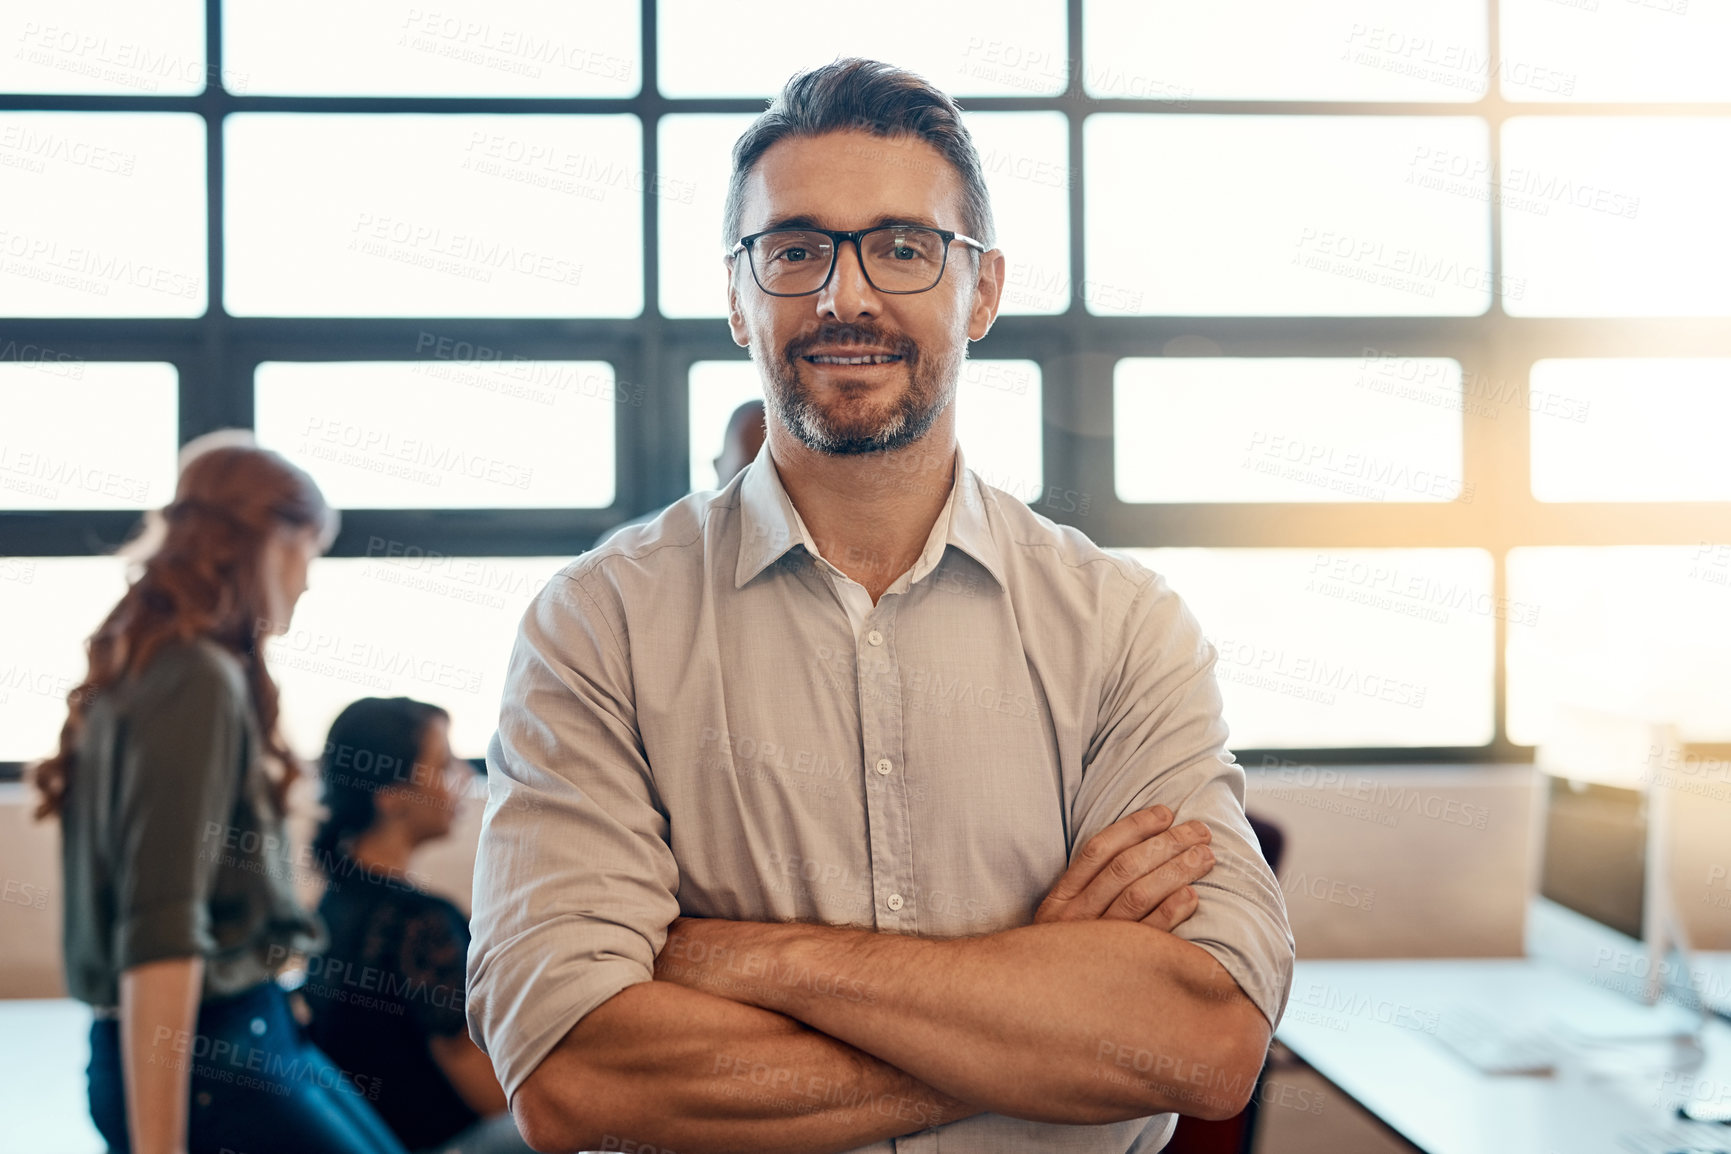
(1393, 333)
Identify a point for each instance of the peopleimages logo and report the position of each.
(1380, 800)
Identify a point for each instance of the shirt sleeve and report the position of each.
(575, 878)
(431, 962)
(1161, 740)
(182, 742)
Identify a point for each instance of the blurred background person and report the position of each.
(744, 437)
(387, 995)
(739, 446)
(171, 784)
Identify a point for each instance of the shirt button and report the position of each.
(884, 765)
(875, 637)
(895, 902)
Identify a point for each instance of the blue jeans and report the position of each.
(257, 1086)
(495, 1135)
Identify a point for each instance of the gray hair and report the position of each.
(868, 95)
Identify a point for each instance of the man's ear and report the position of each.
(735, 319)
(988, 293)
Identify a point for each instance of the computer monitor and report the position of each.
(1598, 902)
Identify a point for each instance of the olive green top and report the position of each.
(170, 844)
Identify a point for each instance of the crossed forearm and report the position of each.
(1034, 1022)
(660, 1066)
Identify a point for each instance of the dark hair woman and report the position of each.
(171, 784)
(387, 994)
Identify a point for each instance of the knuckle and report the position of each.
(1095, 851)
(1124, 868)
(1143, 896)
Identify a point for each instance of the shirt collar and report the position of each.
(770, 525)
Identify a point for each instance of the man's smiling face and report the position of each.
(850, 369)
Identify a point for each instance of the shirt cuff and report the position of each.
(170, 931)
(1266, 981)
(518, 1032)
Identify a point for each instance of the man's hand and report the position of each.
(1139, 868)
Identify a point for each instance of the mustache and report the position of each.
(853, 334)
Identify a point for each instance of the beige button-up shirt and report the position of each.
(693, 724)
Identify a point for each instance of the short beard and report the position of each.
(930, 389)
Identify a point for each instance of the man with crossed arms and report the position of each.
(856, 806)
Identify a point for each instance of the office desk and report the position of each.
(1368, 1026)
(44, 1108)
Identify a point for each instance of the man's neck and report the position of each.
(869, 514)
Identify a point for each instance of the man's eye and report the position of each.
(792, 255)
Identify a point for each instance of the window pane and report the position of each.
(407, 621)
(1026, 160)
(1640, 430)
(1026, 156)
(412, 215)
(705, 50)
(52, 456)
(104, 214)
(716, 389)
(998, 421)
(458, 48)
(1617, 216)
(1291, 215)
(695, 159)
(1209, 429)
(1603, 50)
(1320, 50)
(113, 47)
(998, 424)
(449, 432)
(1630, 630)
(1346, 647)
(48, 606)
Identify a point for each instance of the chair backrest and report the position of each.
(1273, 840)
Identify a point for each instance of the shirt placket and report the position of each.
(883, 748)
(893, 878)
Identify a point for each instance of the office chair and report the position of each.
(1236, 1135)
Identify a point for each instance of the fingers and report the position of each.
(1099, 852)
(1148, 892)
(1174, 910)
(1137, 878)
(1138, 869)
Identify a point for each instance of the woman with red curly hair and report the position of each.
(171, 785)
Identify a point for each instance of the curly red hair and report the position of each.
(201, 577)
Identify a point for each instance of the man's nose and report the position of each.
(848, 294)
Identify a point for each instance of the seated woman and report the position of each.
(387, 996)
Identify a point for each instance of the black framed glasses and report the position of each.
(896, 258)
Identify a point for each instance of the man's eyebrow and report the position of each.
(802, 220)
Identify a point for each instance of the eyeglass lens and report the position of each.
(896, 259)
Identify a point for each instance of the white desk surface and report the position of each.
(44, 1103)
(1363, 1025)
(1366, 1026)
